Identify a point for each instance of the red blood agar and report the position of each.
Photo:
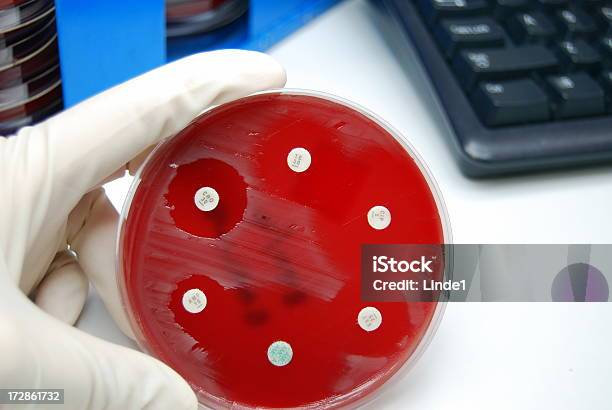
(279, 257)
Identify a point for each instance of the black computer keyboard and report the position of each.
(526, 84)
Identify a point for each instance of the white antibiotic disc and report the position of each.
(369, 318)
(299, 159)
(206, 199)
(194, 301)
(379, 217)
(280, 353)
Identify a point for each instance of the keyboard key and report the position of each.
(504, 8)
(590, 4)
(606, 46)
(531, 27)
(486, 65)
(576, 95)
(606, 81)
(549, 4)
(437, 9)
(510, 102)
(468, 33)
(575, 22)
(604, 14)
(577, 54)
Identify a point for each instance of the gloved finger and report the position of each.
(95, 244)
(95, 375)
(131, 167)
(137, 161)
(115, 175)
(86, 143)
(63, 291)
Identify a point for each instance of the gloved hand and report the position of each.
(51, 201)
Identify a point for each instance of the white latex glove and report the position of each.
(50, 178)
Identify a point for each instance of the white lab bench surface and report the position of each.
(484, 355)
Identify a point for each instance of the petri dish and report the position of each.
(30, 66)
(25, 14)
(9, 38)
(202, 16)
(24, 91)
(239, 252)
(6, 4)
(175, 10)
(21, 49)
(10, 127)
(35, 103)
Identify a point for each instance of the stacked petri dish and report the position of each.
(186, 17)
(30, 79)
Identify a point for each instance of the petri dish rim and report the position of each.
(353, 399)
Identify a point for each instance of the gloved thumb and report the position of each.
(44, 353)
